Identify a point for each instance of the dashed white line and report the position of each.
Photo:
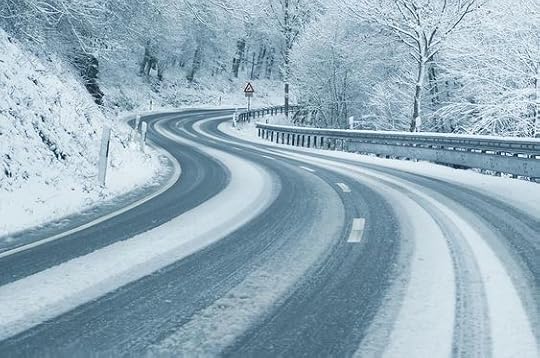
(268, 157)
(308, 169)
(344, 187)
(357, 230)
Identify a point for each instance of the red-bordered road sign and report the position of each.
(249, 90)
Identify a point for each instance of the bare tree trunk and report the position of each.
(160, 70)
(240, 47)
(260, 61)
(145, 62)
(270, 64)
(288, 45)
(535, 130)
(252, 66)
(196, 65)
(416, 119)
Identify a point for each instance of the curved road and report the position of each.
(432, 273)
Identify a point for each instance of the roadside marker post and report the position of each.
(352, 123)
(235, 118)
(144, 128)
(104, 155)
(135, 130)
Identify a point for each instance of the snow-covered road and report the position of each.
(248, 254)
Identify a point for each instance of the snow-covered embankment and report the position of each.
(50, 132)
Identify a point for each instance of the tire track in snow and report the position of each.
(503, 300)
(44, 295)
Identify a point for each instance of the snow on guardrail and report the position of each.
(512, 155)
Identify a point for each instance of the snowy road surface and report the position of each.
(263, 250)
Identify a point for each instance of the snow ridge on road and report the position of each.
(432, 314)
(34, 299)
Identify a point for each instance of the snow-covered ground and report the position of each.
(522, 194)
(50, 132)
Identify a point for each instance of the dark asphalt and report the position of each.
(202, 177)
(329, 310)
(344, 288)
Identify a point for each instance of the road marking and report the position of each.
(357, 230)
(308, 169)
(344, 187)
(268, 157)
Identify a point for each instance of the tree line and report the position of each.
(465, 66)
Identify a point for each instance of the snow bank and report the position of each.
(50, 132)
(519, 193)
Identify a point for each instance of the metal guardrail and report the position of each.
(516, 156)
(272, 111)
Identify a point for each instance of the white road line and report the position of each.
(357, 230)
(308, 169)
(344, 187)
(268, 157)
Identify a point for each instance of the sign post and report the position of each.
(248, 91)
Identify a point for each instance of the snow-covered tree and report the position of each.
(421, 25)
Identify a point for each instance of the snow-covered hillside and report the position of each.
(50, 132)
(125, 89)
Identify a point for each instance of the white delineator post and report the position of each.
(351, 122)
(134, 131)
(144, 128)
(235, 118)
(137, 121)
(104, 155)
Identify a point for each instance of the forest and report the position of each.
(459, 66)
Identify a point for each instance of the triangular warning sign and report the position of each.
(249, 88)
